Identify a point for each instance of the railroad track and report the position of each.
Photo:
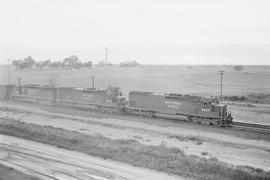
(251, 127)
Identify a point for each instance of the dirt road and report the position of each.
(48, 162)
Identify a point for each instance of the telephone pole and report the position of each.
(221, 80)
(93, 82)
(106, 60)
(19, 81)
(20, 85)
(8, 71)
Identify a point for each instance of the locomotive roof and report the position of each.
(38, 86)
(173, 96)
(221, 105)
(140, 93)
(82, 89)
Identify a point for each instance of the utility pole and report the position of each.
(221, 79)
(19, 81)
(20, 85)
(93, 82)
(8, 71)
(106, 60)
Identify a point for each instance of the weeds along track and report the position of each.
(251, 127)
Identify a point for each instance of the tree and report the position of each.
(17, 63)
(39, 64)
(46, 63)
(88, 64)
(56, 64)
(42, 64)
(238, 68)
(29, 61)
(72, 62)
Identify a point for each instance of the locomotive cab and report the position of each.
(225, 117)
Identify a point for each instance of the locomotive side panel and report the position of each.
(79, 96)
(187, 107)
(144, 101)
(3, 91)
(6, 91)
(69, 94)
(168, 106)
(87, 97)
(177, 105)
(100, 97)
(205, 109)
(39, 92)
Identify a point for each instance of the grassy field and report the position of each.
(202, 80)
(162, 158)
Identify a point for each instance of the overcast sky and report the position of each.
(149, 31)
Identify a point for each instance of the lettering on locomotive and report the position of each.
(173, 104)
(205, 110)
(88, 96)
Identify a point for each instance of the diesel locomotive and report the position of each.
(171, 106)
(191, 108)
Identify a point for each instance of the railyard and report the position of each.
(102, 123)
(237, 149)
(134, 90)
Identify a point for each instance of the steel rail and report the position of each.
(251, 127)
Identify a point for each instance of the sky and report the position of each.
(149, 31)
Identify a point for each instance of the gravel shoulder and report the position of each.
(48, 162)
(9, 173)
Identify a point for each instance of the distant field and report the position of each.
(201, 80)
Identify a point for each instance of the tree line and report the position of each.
(71, 62)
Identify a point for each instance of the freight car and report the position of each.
(191, 108)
